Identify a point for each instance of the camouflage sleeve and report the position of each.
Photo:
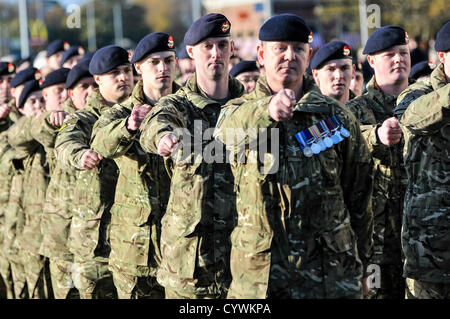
(429, 113)
(71, 142)
(110, 136)
(19, 137)
(164, 118)
(408, 96)
(43, 130)
(357, 182)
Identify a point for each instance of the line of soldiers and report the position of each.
(117, 189)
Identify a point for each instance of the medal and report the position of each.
(304, 146)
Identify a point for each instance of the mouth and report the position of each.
(399, 68)
(163, 77)
(123, 86)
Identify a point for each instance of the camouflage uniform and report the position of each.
(201, 211)
(426, 218)
(35, 181)
(56, 218)
(372, 109)
(304, 229)
(93, 196)
(141, 198)
(11, 118)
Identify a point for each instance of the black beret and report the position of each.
(79, 71)
(385, 37)
(151, 43)
(55, 77)
(56, 46)
(72, 51)
(183, 54)
(6, 68)
(23, 76)
(209, 26)
(30, 87)
(285, 27)
(442, 43)
(420, 69)
(243, 66)
(108, 58)
(330, 51)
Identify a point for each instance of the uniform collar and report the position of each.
(68, 106)
(437, 77)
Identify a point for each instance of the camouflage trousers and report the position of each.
(93, 279)
(61, 276)
(416, 289)
(6, 282)
(173, 294)
(392, 283)
(37, 274)
(19, 279)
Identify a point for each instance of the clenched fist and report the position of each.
(57, 118)
(167, 144)
(4, 110)
(137, 116)
(281, 106)
(390, 132)
(90, 159)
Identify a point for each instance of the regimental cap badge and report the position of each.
(170, 42)
(80, 50)
(37, 75)
(130, 54)
(225, 27)
(66, 45)
(10, 67)
(406, 37)
(432, 65)
(310, 37)
(346, 50)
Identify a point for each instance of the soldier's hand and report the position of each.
(167, 144)
(90, 159)
(57, 118)
(4, 110)
(281, 106)
(390, 132)
(138, 114)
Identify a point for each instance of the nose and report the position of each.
(162, 67)
(338, 74)
(215, 51)
(290, 54)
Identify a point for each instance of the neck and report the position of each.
(153, 95)
(214, 89)
(344, 97)
(393, 89)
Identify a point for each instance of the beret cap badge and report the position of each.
(170, 42)
(310, 37)
(225, 26)
(10, 67)
(406, 37)
(66, 45)
(346, 50)
(37, 75)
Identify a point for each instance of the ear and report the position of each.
(371, 60)
(189, 49)
(232, 46)
(309, 55)
(260, 53)
(97, 79)
(441, 56)
(315, 74)
(70, 93)
(45, 94)
(353, 71)
(137, 66)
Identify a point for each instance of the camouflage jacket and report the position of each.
(142, 190)
(372, 109)
(201, 210)
(35, 180)
(426, 218)
(304, 227)
(11, 118)
(6, 175)
(56, 217)
(94, 190)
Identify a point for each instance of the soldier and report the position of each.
(333, 70)
(305, 228)
(143, 185)
(425, 232)
(200, 214)
(421, 71)
(247, 72)
(55, 51)
(71, 56)
(357, 82)
(186, 66)
(6, 72)
(22, 214)
(93, 194)
(53, 89)
(388, 55)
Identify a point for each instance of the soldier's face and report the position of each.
(334, 77)
(34, 105)
(444, 58)
(211, 57)
(248, 80)
(79, 93)
(117, 84)
(5, 91)
(70, 63)
(284, 62)
(54, 96)
(357, 83)
(187, 67)
(158, 70)
(392, 65)
(54, 60)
